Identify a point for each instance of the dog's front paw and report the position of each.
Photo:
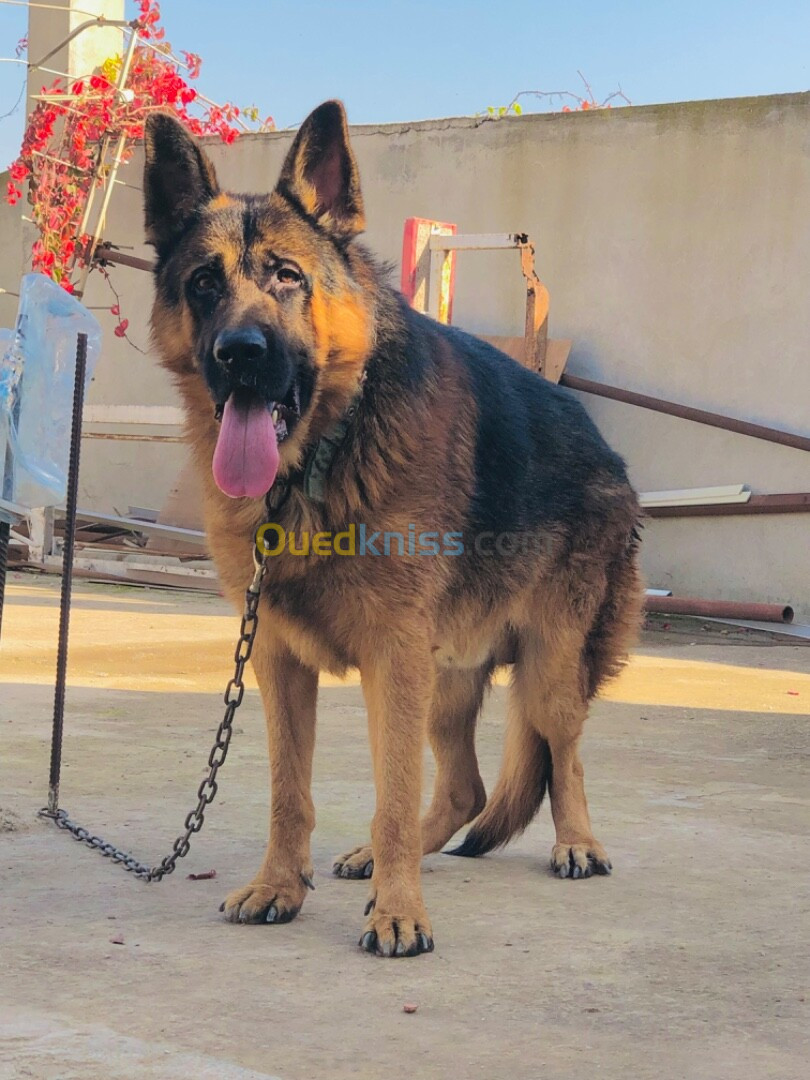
(268, 899)
(405, 934)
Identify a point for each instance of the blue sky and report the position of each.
(392, 60)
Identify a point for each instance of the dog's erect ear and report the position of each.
(178, 179)
(321, 174)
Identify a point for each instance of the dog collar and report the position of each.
(319, 462)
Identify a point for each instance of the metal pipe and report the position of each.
(719, 609)
(69, 541)
(99, 20)
(686, 412)
(788, 503)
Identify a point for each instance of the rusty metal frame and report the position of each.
(537, 298)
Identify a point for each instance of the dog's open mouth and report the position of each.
(286, 414)
(246, 457)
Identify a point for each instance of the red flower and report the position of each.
(60, 168)
(121, 329)
(194, 64)
(115, 309)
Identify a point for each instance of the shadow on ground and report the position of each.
(689, 962)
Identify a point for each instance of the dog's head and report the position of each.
(261, 297)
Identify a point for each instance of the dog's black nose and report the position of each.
(247, 344)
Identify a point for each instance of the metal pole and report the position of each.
(5, 533)
(67, 573)
(686, 412)
(107, 254)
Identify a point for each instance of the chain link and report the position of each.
(206, 793)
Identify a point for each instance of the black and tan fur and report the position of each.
(448, 435)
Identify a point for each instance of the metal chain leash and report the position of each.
(206, 793)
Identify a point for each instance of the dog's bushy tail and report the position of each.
(525, 777)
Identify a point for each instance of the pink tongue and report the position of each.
(246, 456)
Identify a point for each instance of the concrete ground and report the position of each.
(689, 963)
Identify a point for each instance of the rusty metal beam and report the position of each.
(687, 412)
(106, 253)
(719, 609)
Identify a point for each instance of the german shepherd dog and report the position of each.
(295, 359)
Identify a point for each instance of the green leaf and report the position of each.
(518, 108)
(502, 110)
(491, 110)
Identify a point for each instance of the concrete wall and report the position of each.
(675, 241)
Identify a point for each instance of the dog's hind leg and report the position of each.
(562, 659)
(551, 687)
(458, 793)
(547, 709)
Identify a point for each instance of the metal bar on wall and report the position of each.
(687, 412)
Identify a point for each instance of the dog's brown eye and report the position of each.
(204, 283)
(288, 275)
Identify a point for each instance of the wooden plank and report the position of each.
(205, 581)
(512, 346)
(114, 436)
(416, 257)
(476, 241)
(557, 352)
(707, 496)
(191, 536)
(153, 415)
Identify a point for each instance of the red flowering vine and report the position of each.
(62, 146)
